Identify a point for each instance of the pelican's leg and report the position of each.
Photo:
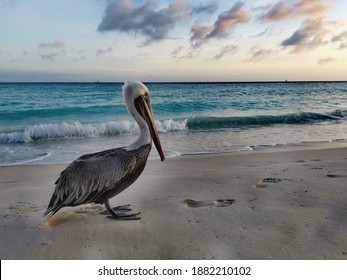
(121, 208)
(120, 216)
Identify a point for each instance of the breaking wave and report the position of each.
(69, 130)
(208, 123)
(65, 130)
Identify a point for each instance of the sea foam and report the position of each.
(70, 130)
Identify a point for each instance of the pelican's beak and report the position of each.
(143, 106)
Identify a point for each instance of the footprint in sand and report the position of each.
(333, 175)
(209, 203)
(263, 183)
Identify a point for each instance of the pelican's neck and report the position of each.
(145, 135)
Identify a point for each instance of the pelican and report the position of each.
(97, 177)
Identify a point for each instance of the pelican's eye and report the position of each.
(146, 96)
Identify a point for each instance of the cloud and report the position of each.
(284, 11)
(261, 34)
(343, 46)
(46, 50)
(310, 35)
(200, 34)
(325, 61)
(49, 56)
(181, 52)
(260, 54)
(176, 51)
(103, 51)
(278, 12)
(221, 28)
(145, 19)
(229, 49)
(79, 58)
(209, 8)
(229, 19)
(313, 31)
(19, 59)
(156, 24)
(55, 45)
(341, 38)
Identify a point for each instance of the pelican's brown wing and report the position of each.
(89, 177)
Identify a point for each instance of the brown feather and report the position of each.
(94, 178)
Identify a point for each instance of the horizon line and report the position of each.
(175, 82)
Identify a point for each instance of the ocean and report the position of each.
(45, 123)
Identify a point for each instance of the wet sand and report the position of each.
(283, 203)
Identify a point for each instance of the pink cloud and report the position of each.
(310, 35)
(309, 8)
(222, 27)
(55, 45)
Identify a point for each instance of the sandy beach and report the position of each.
(281, 203)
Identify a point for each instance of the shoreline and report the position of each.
(174, 154)
(280, 203)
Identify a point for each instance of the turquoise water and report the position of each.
(57, 122)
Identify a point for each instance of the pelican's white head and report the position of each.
(133, 90)
(136, 98)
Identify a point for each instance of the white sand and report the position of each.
(272, 204)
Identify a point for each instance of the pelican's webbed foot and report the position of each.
(118, 213)
(122, 209)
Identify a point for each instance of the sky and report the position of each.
(172, 41)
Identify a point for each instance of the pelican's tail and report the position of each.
(52, 210)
